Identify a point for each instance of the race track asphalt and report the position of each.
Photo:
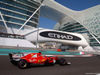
(79, 66)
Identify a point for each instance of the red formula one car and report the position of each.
(23, 60)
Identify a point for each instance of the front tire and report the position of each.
(22, 64)
(62, 62)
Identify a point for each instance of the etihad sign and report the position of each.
(59, 35)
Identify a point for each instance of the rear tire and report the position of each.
(62, 62)
(23, 64)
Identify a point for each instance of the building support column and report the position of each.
(95, 38)
(3, 20)
(29, 19)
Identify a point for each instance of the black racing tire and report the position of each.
(23, 64)
(62, 62)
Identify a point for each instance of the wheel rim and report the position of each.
(24, 64)
(64, 62)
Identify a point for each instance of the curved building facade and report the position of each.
(16, 12)
(85, 22)
(13, 15)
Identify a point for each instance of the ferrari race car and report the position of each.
(23, 60)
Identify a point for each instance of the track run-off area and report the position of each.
(79, 66)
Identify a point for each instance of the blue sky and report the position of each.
(72, 4)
